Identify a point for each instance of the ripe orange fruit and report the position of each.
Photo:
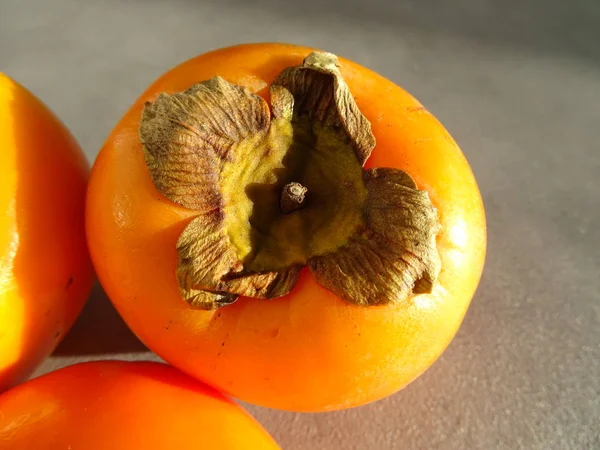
(199, 229)
(45, 271)
(121, 406)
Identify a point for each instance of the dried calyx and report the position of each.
(282, 188)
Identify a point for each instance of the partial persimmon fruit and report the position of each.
(116, 405)
(45, 270)
(288, 226)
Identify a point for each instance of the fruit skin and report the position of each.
(45, 271)
(121, 405)
(307, 351)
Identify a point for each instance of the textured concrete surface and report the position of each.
(518, 85)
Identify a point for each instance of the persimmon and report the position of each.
(287, 226)
(124, 405)
(45, 270)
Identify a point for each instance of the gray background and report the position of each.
(518, 85)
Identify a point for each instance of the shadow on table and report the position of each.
(99, 330)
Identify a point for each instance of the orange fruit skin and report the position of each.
(309, 350)
(45, 270)
(120, 405)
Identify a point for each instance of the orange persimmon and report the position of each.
(309, 349)
(121, 405)
(45, 270)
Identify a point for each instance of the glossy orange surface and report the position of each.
(114, 405)
(307, 351)
(45, 271)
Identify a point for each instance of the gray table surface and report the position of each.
(518, 85)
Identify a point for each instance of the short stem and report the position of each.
(292, 197)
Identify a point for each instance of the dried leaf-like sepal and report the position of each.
(188, 136)
(275, 195)
(395, 255)
(219, 271)
(320, 93)
(188, 139)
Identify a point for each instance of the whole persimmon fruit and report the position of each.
(287, 226)
(117, 405)
(45, 270)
